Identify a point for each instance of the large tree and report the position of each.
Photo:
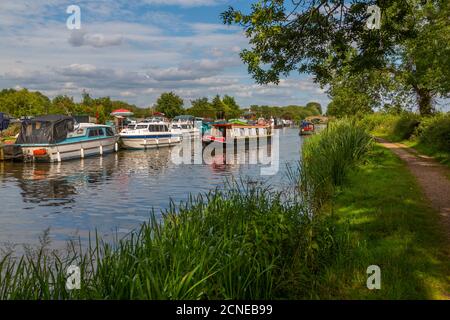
(170, 104)
(202, 108)
(233, 110)
(316, 36)
(22, 102)
(220, 107)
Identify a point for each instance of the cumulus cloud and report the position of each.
(132, 51)
(80, 38)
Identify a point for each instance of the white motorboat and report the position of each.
(54, 138)
(149, 134)
(186, 126)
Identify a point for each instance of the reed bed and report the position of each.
(240, 243)
(329, 157)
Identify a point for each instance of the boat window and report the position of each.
(166, 128)
(142, 126)
(94, 133)
(109, 132)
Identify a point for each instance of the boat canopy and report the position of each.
(48, 129)
(4, 121)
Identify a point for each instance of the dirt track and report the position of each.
(431, 175)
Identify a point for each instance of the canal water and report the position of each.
(114, 194)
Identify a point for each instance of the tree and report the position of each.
(233, 109)
(170, 104)
(63, 105)
(22, 102)
(202, 108)
(220, 108)
(316, 37)
(314, 106)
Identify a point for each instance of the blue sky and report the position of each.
(134, 51)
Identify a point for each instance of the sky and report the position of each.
(134, 51)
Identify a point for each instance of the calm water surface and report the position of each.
(113, 194)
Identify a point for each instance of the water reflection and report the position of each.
(113, 193)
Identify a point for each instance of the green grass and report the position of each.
(390, 224)
(241, 243)
(248, 242)
(428, 135)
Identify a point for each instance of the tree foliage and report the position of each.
(327, 38)
(170, 104)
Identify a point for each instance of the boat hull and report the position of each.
(149, 143)
(236, 140)
(69, 151)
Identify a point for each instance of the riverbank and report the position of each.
(428, 135)
(249, 242)
(390, 224)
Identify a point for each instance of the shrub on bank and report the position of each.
(393, 127)
(435, 132)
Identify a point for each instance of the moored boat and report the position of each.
(54, 138)
(232, 132)
(149, 134)
(306, 128)
(186, 126)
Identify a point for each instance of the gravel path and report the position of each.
(431, 175)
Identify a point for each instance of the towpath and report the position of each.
(433, 177)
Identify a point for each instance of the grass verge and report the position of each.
(390, 224)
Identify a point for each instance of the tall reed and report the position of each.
(239, 243)
(328, 158)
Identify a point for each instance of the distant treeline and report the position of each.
(22, 103)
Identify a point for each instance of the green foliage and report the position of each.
(170, 104)
(220, 108)
(239, 243)
(202, 108)
(435, 132)
(314, 106)
(25, 103)
(328, 158)
(429, 135)
(389, 223)
(406, 125)
(19, 103)
(329, 39)
(291, 112)
(233, 109)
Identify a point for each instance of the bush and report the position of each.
(405, 126)
(435, 132)
(393, 127)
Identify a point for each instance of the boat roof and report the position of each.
(51, 118)
(91, 125)
(229, 125)
(183, 117)
(151, 123)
